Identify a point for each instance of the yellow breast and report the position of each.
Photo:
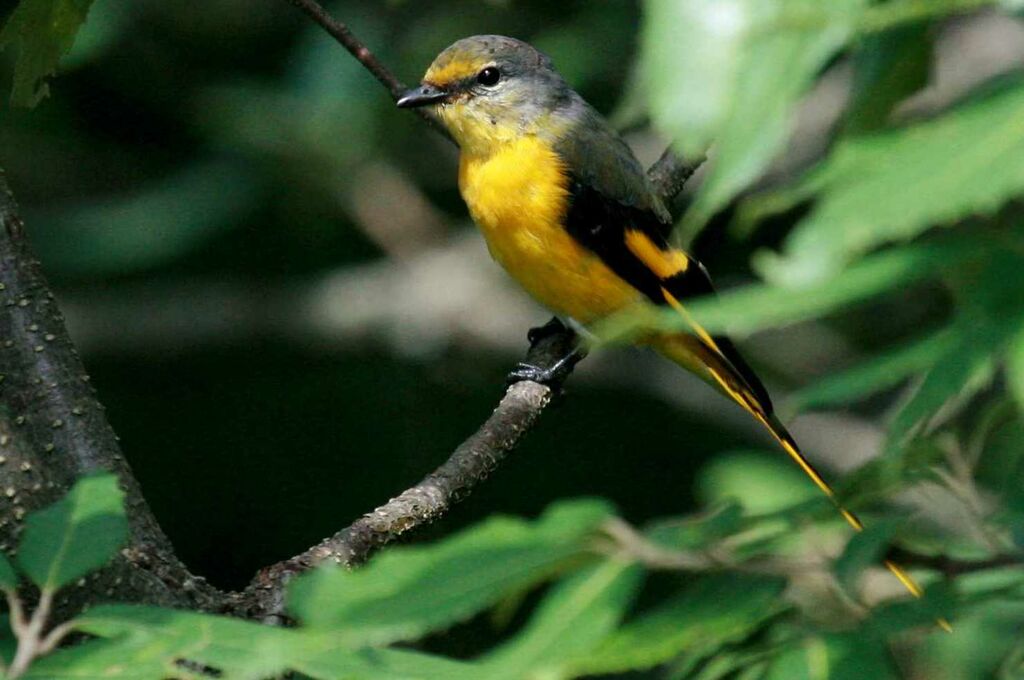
(518, 196)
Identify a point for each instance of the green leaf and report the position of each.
(408, 592)
(776, 68)
(756, 208)
(128, 659)
(984, 639)
(889, 67)
(580, 612)
(759, 482)
(99, 35)
(865, 549)
(958, 374)
(938, 602)
(8, 642)
(752, 308)
(150, 642)
(1015, 368)
(991, 315)
(894, 185)
(43, 31)
(722, 666)
(885, 475)
(235, 647)
(874, 375)
(694, 533)
(807, 661)
(8, 577)
(382, 664)
(75, 535)
(885, 15)
(712, 612)
(691, 52)
(999, 464)
(834, 657)
(1004, 584)
(730, 72)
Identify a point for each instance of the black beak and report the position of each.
(421, 96)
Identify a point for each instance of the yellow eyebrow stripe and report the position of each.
(453, 71)
(664, 263)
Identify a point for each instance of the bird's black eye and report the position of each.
(489, 76)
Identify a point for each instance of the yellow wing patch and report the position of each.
(664, 263)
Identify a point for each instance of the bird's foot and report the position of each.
(552, 375)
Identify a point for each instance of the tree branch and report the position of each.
(469, 465)
(53, 431)
(628, 542)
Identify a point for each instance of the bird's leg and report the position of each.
(554, 350)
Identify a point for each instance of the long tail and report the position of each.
(717, 361)
(787, 443)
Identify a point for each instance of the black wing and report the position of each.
(601, 225)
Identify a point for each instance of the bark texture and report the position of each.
(53, 431)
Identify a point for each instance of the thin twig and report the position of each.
(30, 635)
(341, 32)
(631, 543)
(356, 48)
(55, 636)
(32, 643)
(951, 567)
(16, 612)
(959, 480)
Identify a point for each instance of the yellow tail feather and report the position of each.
(721, 372)
(785, 440)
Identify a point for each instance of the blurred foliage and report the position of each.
(43, 31)
(225, 142)
(731, 72)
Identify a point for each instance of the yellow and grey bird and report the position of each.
(568, 211)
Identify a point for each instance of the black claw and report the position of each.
(552, 376)
(524, 371)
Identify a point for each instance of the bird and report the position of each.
(568, 211)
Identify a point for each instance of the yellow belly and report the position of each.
(518, 196)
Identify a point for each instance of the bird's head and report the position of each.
(489, 89)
